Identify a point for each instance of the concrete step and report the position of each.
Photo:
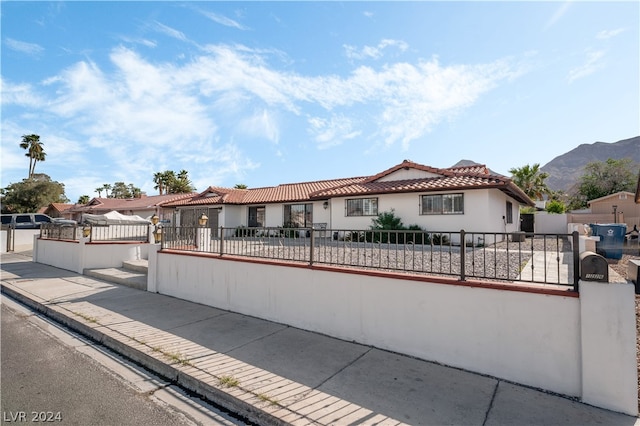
(120, 276)
(141, 265)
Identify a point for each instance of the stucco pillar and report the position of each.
(608, 332)
(152, 268)
(82, 254)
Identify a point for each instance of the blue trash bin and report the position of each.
(611, 239)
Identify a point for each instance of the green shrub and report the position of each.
(555, 206)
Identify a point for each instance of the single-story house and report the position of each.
(143, 206)
(469, 197)
(622, 203)
(58, 210)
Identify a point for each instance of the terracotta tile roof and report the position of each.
(142, 203)
(61, 206)
(290, 192)
(406, 164)
(456, 182)
(293, 191)
(471, 176)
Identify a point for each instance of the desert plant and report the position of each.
(555, 206)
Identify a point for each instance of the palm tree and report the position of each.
(107, 188)
(240, 186)
(181, 184)
(158, 179)
(84, 199)
(35, 151)
(531, 180)
(99, 191)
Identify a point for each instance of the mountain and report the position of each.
(565, 170)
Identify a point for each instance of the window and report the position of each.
(443, 204)
(256, 216)
(362, 207)
(298, 215)
(509, 217)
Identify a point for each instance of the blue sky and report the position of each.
(264, 93)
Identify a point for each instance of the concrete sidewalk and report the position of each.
(275, 374)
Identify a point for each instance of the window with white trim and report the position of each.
(443, 204)
(362, 207)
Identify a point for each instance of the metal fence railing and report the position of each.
(54, 231)
(103, 233)
(514, 257)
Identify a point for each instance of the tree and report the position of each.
(31, 194)
(160, 180)
(168, 182)
(555, 206)
(106, 188)
(84, 199)
(602, 178)
(240, 186)
(35, 151)
(531, 180)
(181, 184)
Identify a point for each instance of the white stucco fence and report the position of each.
(550, 223)
(81, 255)
(583, 347)
(22, 239)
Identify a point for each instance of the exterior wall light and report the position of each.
(157, 234)
(325, 205)
(155, 219)
(202, 220)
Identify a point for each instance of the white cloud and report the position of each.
(138, 114)
(142, 41)
(19, 94)
(332, 131)
(607, 34)
(170, 31)
(261, 124)
(223, 20)
(373, 52)
(592, 64)
(32, 49)
(559, 13)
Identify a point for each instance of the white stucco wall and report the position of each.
(541, 340)
(484, 210)
(22, 239)
(489, 331)
(546, 223)
(77, 256)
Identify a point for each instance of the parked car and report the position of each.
(31, 220)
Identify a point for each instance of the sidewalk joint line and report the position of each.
(493, 397)
(345, 367)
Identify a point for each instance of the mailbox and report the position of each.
(593, 267)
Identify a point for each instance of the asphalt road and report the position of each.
(50, 376)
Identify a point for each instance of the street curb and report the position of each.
(166, 371)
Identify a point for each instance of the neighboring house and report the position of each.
(622, 203)
(143, 206)
(58, 210)
(465, 197)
